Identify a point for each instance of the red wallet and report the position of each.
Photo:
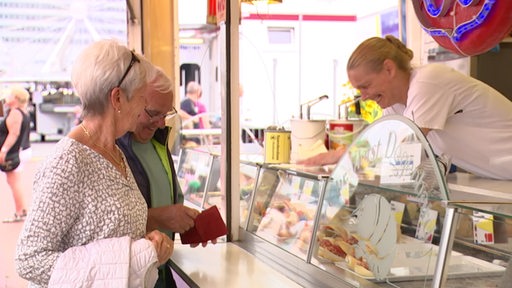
(208, 226)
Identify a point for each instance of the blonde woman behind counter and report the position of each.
(464, 119)
(87, 223)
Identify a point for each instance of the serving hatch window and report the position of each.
(280, 35)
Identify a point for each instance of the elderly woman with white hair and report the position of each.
(87, 222)
(14, 138)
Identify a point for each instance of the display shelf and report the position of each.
(386, 188)
(414, 261)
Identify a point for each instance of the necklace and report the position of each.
(119, 163)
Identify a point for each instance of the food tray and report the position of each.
(415, 261)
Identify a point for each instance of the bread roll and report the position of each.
(327, 255)
(348, 248)
(362, 271)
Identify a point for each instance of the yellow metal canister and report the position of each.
(277, 146)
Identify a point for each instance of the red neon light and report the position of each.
(334, 18)
(296, 17)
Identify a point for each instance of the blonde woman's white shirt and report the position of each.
(471, 122)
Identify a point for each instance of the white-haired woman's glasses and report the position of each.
(156, 116)
(132, 62)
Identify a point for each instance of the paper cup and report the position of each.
(342, 132)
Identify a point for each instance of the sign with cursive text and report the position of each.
(398, 168)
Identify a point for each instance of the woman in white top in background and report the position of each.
(463, 118)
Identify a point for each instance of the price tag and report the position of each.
(483, 228)
(426, 225)
(296, 184)
(398, 209)
(308, 188)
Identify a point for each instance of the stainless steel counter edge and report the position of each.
(224, 265)
(253, 263)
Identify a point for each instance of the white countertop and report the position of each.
(481, 194)
(226, 265)
(463, 185)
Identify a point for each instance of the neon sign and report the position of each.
(466, 27)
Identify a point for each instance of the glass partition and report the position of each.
(248, 177)
(213, 194)
(285, 208)
(193, 171)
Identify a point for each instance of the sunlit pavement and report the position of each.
(9, 231)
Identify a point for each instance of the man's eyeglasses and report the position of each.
(133, 61)
(154, 117)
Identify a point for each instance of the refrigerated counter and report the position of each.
(384, 215)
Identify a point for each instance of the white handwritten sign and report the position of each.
(398, 167)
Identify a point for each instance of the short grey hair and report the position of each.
(159, 81)
(98, 69)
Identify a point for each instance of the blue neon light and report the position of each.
(432, 9)
(467, 3)
(479, 19)
(456, 34)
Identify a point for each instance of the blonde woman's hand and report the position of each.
(164, 246)
(324, 158)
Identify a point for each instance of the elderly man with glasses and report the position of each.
(148, 155)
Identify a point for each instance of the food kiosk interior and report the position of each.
(384, 215)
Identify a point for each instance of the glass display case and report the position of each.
(286, 216)
(198, 172)
(382, 216)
